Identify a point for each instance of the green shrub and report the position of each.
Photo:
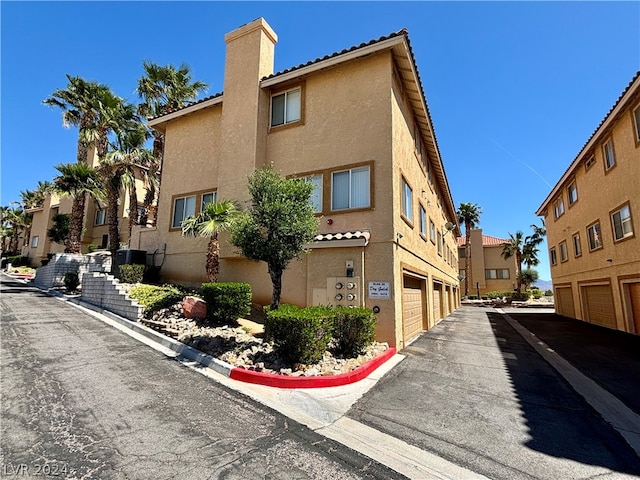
(92, 247)
(226, 301)
(472, 297)
(548, 293)
(18, 261)
(154, 298)
(354, 329)
(522, 296)
(131, 273)
(497, 294)
(71, 281)
(299, 335)
(536, 294)
(151, 274)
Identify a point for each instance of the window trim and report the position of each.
(404, 186)
(608, 168)
(589, 162)
(432, 231)
(212, 192)
(34, 241)
(558, 202)
(575, 187)
(423, 221)
(95, 218)
(576, 252)
(553, 257)
(564, 251)
(597, 222)
(439, 241)
(613, 227)
(488, 276)
(283, 91)
(635, 117)
(346, 168)
(198, 194)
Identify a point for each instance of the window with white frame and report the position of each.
(552, 256)
(593, 234)
(636, 121)
(350, 189)
(316, 195)
(34, 241)
(183, 207)
(407, 201)
(496, 273)
(423, 222)
(577, 247)
(207, 198)
(572, 193)
(285, 107)
(101, 217)
(558, 207)
(609, 157)
(621, 221)
(564, 254)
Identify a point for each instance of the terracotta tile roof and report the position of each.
(342, 52)
(487, 241)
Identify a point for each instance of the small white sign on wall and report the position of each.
(380, 290)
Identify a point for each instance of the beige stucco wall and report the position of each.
(219, 147)
(600, 193)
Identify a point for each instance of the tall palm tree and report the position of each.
(214, 218)
(127, 157)
(35, 198)
(77, 180)
(79, 103)
(17, 222)
(469, 215)
(163, 89)
(514, 248)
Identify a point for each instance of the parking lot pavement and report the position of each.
(473, 390)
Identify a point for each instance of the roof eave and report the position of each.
(159, 123)
(620, 105)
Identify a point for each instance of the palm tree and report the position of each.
(79, 103)
(514, 248)
(17, 221)
(163, 89)
(125, 159)
(469, 215)
(214, 218)
(35, 198)
(77, 180)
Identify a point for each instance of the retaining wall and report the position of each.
(105, 291)
(52, 274)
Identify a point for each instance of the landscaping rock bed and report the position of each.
(242, 347)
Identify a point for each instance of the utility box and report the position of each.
(344, 291)
(131, 257)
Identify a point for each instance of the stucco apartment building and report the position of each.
(488, 271)
(591, 216)
(357, 125)
(96, 228)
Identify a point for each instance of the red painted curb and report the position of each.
(285, 381)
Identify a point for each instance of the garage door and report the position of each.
(413, 308)
(437, 303)
(564, 302)
(598, 302)
(634, 296)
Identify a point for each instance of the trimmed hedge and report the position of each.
(131, 273)
(226, 301)
(18, 261)
(354, 329)
(154, 298)
(299, 335)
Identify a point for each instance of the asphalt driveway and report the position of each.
(474, 392)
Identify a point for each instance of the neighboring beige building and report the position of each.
(96, 228)
(488, 271)
(356, 123)
(591, 217)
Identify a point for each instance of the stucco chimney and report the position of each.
(245, 108)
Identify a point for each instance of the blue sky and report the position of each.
(514, 88)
